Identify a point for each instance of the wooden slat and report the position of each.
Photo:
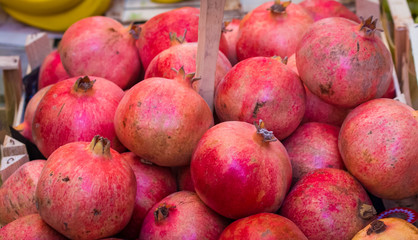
(210, 27)
(13, 155)
(37, 47)
(412, 63)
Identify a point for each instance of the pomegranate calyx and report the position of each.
(84, 84)
(368, 26)
(183, 77)
(283, 60)
(266, 134)
(134, 30)
(100, 146)
(174, 40)
(278, 7)
(415, 114)
(367, 211)
(162, 212)
(224, 27)
(376, 226)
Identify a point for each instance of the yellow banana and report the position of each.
(61, 21)
(38, 7)
(166, 1)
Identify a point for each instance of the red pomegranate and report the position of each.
(101, 46)
(328, 203)
(17, 193)
(86, 190)
(377, 142)
(228, 43)
(182, 215)
(262, 226)
(153, 184)
(183, 55)
(344, 63)
(184, 178)
(154, 35)
(25, 128)
(320, 9)
(239, 169)
(391, 92)
(272, 29)
(162, 119)
(29, 227)
(262, 88)
(312, 146)
(51, 70)
(291, 62)
(76, 109)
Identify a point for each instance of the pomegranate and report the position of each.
(262, 88)
(29, 227)
(184, 178)
(312, 146)
(153, 37)
(328, 203)
(377, 142)
(86, 190)
(344, 63)
(272, 29)
(51, 70)
(183, 55)
(153, 184)
(162, 119)
(291, 62)
(318, 110)
(101, 46)
(76, 109)
(320, 9)
(388, 229)
(228, 43)
(263, 226)
(17, 194)
(25, 128)
(391, 92)
(239, 169)
(182, 215)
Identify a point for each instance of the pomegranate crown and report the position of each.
(181, 74)
(376, 227)
(266, 134)
(279, 7)
(369, 26)
(224, 25)
(177, 40)
(100, 146)
(134, 30)
(162, 211)
(283, 60)
(83, 83)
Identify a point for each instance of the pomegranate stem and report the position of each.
(267, 135)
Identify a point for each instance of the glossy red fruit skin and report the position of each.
(65, 115)
(343, 65)
(228, 43)
(101, 46)
(162, 120)
(320, 9)
(237, 174)
(266, 226)
(262, 88)
(263, 33)
(325, 204)
(377, 142)
(86, 193)
(29, 227)
(312, 146)
(184, 179)
(154, 36)
(183, 55)
(51, 70)
(17, 193)
(188, 218)
(153, 184)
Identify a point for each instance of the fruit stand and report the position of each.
(198, 120)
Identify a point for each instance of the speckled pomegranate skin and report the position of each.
(153, 184)
(262, 88)
(378, 144)
(17, 194)
(237, 174)
(341, 65)
(263, 33)
(188, 218)
(154, 36)
(325, 204)
(65, 115)
(184, 178)
(101, 46)
(312, 146)
(86, 195)
(263, 226)
(51, 70)
(229, 39)
(29, 227)
(320, 9)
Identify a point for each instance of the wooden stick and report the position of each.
(210, 27)
(37, 47)
(13, 155)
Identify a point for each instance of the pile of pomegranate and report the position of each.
(304, 132)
